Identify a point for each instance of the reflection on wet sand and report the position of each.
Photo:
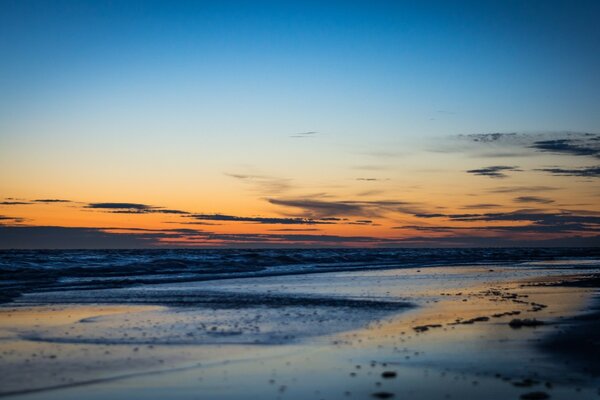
(456, 342)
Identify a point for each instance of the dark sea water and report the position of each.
(42, 270)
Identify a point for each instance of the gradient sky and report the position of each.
(355, 123)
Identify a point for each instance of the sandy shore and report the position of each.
(440, 332)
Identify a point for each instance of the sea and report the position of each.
(25, 271)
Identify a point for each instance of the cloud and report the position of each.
(57, 237)
(361, 222)
(532, 215)
(586, 146)
(430, 215)
(13, 203)
(54, 237)
(260, 220)
(120, 206)
(539, 221)
(295, 230)
(586, 172)
(496, 171)
(264, 184)
(52, 201)
(372, 179)
(489, 137)
(533, 199)
(520, 189)
(304, 134)
(133, 208)
(321, 208)
(526, 221)
(579, 144)
(11, 219)
(370, 193)
(480, 206)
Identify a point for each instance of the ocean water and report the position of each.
(43, 270)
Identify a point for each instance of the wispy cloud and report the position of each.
(264, 184)
(260, 220)
(533, 199)
(5, 218)
(586, 146)
(586, 172)
(490, 137)
(372, 179)
(480, 206)
(496, 171)
(300, 135)
(522, 189)
(295, 230)
(579, 144)
(52, 201)
(133, 208)
(345, 208)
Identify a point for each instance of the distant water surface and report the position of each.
(26, 271)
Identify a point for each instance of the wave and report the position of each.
(42, 270)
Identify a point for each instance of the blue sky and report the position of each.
(503, 65)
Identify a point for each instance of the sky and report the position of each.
(127, 124)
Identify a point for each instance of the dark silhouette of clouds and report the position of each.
(521, 189)
(330, 208)
(579, 144)
(490, 137)
(586, 172)
(536, 221)
(575, 147)
(54, 237)
(533, 199)
(52, 201)
(261, 220)
(57, 237)
(11, 219)
(320, 207)
(430, 215)
(563, 217)
(295, 230)
(480, 206)
(133, 208)
(496, 171)
(14, 203)
(119, 206)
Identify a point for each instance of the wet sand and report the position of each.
(440, 332)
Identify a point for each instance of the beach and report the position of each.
(479, 331)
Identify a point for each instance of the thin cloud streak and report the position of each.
(259, 220)
(496, 171)
(585, 172)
